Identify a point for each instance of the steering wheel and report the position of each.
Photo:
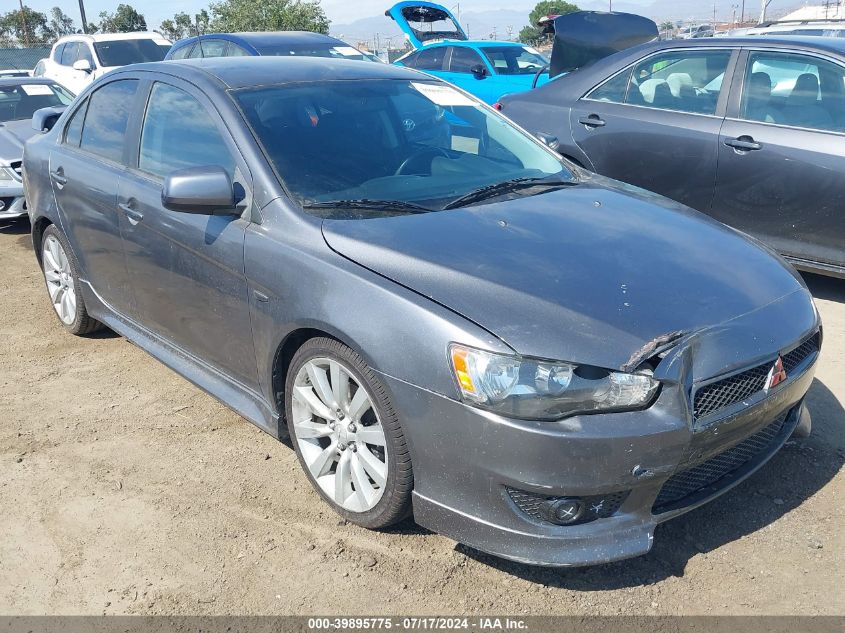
(409, 162)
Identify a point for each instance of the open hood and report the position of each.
(584, 37)
(424, 22)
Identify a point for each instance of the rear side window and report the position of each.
(196, 51)
(181, 53)
(178, 133)
(237, 51)
(213, 48)
(105, 122)
(430, 59)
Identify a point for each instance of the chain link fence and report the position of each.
(21, 58)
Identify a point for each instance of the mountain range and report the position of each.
(505, 23)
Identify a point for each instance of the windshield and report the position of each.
(420, 143)
(339, 51)
(125, 52)
(20, 102)
(514, 60)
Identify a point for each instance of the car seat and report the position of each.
(758, 98)
(802, 107)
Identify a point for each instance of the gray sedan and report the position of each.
(535, 360)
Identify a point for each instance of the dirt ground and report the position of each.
(126, 490)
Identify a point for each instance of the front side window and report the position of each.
(69, 54)
(73, 129)
(85, 53)
(794, 90)
(213, 48)
(178, 133)
(422, 143)
(109, 107)
(683, 81)
(19, 102)
(124, 52)
(430, 58)
(515, 60)
(464, 59)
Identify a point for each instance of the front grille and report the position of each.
(723, 393)
(598, 506)
(693, 480)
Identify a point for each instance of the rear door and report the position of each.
(656, 123)
(187, 270)
(782, 154)
(85, 167)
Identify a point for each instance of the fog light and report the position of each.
(564, 511)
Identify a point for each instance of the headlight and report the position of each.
(545, 390)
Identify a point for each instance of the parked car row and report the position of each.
(445, 316)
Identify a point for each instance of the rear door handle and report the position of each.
(594, 120)
(59, 177)
(743, 143)
(133, 215)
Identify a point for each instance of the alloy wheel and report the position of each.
(59, 277)
(339, 434)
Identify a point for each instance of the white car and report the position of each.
(77, 60)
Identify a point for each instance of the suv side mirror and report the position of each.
(202, 190)
(479, 71)
(82, 64)
(44, 119)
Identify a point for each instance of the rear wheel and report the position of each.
(62, 279)
(346, 434)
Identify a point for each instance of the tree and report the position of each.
(531, 34)
(61, 23)
(125, 20)
(182, 26)
(268, 15)
(25, 26)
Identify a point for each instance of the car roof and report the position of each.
(108, 37)
(831, 44)
(242, 72)
(17, 81)
(266, 38)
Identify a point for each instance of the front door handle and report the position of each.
(133, 214)
(59, 177)
(594, 120)
(743, 144)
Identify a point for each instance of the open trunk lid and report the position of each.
(425, 22)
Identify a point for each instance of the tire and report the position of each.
(348, 442)
(61, 275)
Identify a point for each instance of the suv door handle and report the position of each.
(59, 177)
(133, 215)
(743, 143)
(594, 120)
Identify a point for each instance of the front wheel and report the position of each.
(347, 435)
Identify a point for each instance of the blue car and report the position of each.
(487, 69)
(274, 43)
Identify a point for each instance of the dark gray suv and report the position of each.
(535, 360)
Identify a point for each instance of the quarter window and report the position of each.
(683, 81)
(794, 90)
(178, 133)
(57, 54)
(105, 122)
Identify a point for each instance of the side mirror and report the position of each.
(479, 71)
(548, 140)
(44, 119)
(82, 64)
(201, 190)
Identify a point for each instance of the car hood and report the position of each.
(591, 273)
(13, 134)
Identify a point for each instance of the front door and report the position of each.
(84, 167)
(187, 270)
(656, 124)
(782, 156)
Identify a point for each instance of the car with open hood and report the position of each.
(487, 69)
(20, 97)
(749, 130)
(535, 360)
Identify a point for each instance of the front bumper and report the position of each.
(468, 462)
(12, 202)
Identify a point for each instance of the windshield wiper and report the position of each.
(506, 186)
(369, 205)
